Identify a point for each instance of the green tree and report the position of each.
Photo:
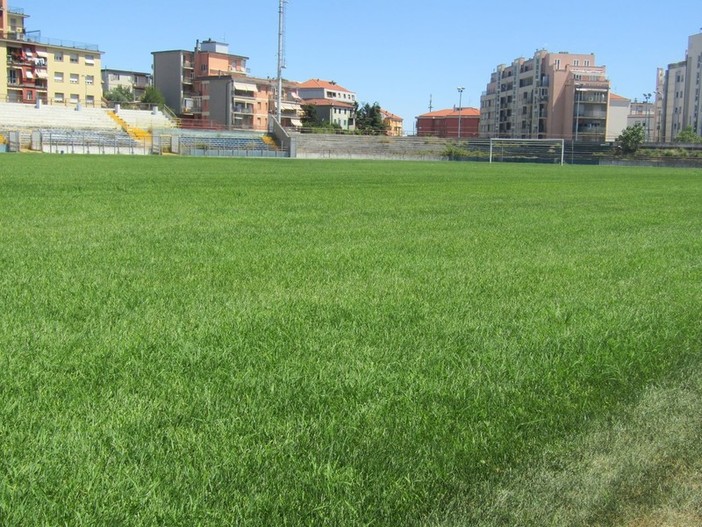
(153, 96)
(309, 116)
(369, 119)
(631, 139)
(688, 136)
(120, 94)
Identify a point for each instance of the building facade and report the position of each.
(643, 113)
(331, 102)
(393, 123)
(135, 81)
(619, 110)
(34, 70)
(446, 123)
(210, 87)
(551, 95)
(680, 93)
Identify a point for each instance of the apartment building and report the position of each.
(135, 81)
(551, 95)
(679, 91)
(332, 103)
(209, 85)
(619, 110)
(36, 70)
(642, 113)
(393, 123)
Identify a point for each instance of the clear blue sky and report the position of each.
(395, 52)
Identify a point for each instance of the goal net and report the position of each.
(527, 150)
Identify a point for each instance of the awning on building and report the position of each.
(289, 106)
(296, 122)
(245, 86)
(28, 74)
(42, 74)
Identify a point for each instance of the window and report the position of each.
(557, 63)
(576, 62)
(74, 58)
(58, 97)
(90, 79)
(29, 95)
(58, 56)
(75, 98)
(90, 100)
(74, 78)
(90, 60)
(587, 63)
(58, 76)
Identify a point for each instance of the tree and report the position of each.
(631, 138)
(309, 116)
(369, 119)
(120, 94)
(153, 96)
(688, 136)
(312, 122)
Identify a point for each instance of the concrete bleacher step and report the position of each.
(26, 117)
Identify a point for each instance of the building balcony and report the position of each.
(591, 115)
(242, 110)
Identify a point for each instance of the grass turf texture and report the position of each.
(209, 342)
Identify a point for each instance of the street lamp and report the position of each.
(460, 97)
(647, 98)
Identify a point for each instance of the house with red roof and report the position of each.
(392, 122)
(453, 122)
(332, 103)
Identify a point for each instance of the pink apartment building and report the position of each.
(210, 88)
(551, 95)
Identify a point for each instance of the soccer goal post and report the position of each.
(527, 150)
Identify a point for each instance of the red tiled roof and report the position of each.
(615, 97)
(390, 116)
(326, 102)
(453, 112)
(317, 83)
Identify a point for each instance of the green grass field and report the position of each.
(247, 342)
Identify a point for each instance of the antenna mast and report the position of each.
(281, 58)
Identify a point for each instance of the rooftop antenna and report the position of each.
(430, 106)
(281, 57)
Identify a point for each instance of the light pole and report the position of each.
(647, 98)
(460, 97)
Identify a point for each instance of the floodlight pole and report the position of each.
(460, 97)
(281, 60)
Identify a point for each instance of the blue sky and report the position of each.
(395, 52)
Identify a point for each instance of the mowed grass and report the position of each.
(222, 342)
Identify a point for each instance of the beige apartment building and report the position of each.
(36, 70)
(549, 96)
(680, 95)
